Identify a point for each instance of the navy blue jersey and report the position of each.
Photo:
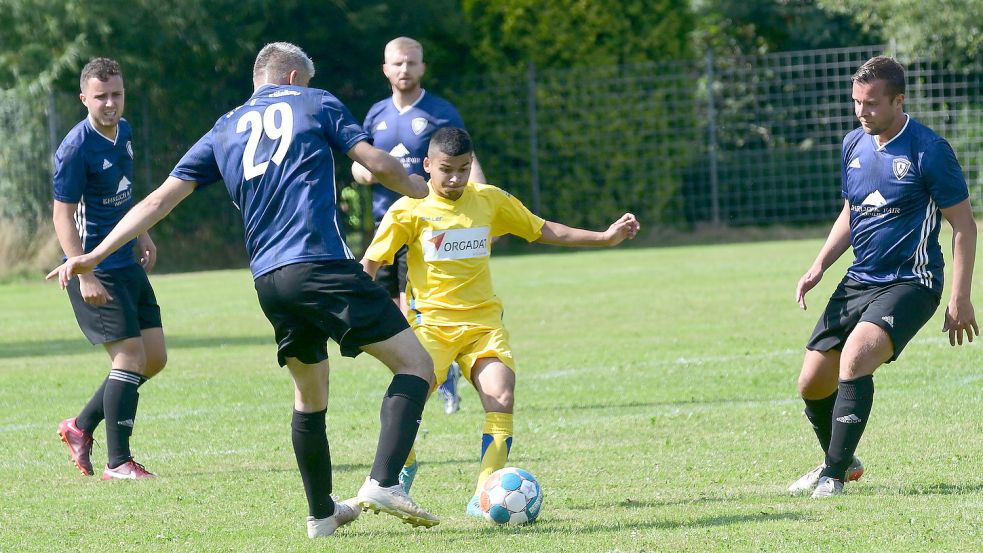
(405, 134)
(274, 154)
(895, 192)
(96, 173)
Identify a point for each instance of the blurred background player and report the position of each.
(274, 155)
(453, 309)
(898, 175)
(115, 304)
(402, 125)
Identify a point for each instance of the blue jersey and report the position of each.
(895, 192)
(274, 154)
(96, 173)
(405, 134)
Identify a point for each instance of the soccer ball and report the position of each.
(511, 496)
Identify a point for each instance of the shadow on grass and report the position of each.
(44, 348)
(336, 468)
(565, 527)
(935, 488)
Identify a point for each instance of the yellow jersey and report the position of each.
(448, 277)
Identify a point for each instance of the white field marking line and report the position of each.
(184, 454)
(679, 361)
(169, 415)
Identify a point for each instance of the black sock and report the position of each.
(310, 439)
(820, 415)
(92, 414)
(853, 404)
(400, 416)
(120, 405)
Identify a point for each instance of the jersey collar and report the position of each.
(423, 93)
(88, 119)
(880, 147)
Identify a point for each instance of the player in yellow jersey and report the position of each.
(452, 307)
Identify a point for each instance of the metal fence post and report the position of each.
(712, 140)
(52, 116)
(533, 138)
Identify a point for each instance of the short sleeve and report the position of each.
(393, 233)
(943, 176)
(341, 129)
(512, 217)
(199, 164)
(69, 178)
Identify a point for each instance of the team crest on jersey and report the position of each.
(461, 243)
(418, 125)
(129, 148)
(900, 166)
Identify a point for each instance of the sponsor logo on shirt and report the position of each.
(873, 205)
(464, 243)
(123, 193)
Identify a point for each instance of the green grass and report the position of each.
(656, 404)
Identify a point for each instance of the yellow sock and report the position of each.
(411, 458)
(496, 441)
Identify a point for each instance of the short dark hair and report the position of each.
(882, 68)
(100, 68)
(451, 141)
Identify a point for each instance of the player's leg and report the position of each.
(817, 384)
(400, 417)
(817, 387)
(120, 402)
(495, 383)
(293, 300)
(308, 435)
(443, 344)
(893, 317)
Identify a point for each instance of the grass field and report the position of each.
(656, 404)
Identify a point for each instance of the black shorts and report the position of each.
(901, 309)
(133, 308)
(307, 303)
(393, 277)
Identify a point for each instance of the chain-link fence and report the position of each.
(720, 140)
(733, 141)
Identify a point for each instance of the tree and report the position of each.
(943, 29)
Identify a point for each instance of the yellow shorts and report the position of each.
(464, 344)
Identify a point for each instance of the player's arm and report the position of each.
(137, 221)
(388, 170)
(626, 227)
(370, 266)
(836, 244)
(959, 314)
(63, 217)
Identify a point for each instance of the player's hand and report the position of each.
(806, 283)
(623, 229)
(361, 174)
(72, 267)
(959, 318)
(148, 252)
(419, 185)
(93, 292)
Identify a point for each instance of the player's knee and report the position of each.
(155, 364)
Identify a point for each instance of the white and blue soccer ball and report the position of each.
(511, 496)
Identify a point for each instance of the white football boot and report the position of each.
(344, 512)
(394, 501)
(810, 480)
